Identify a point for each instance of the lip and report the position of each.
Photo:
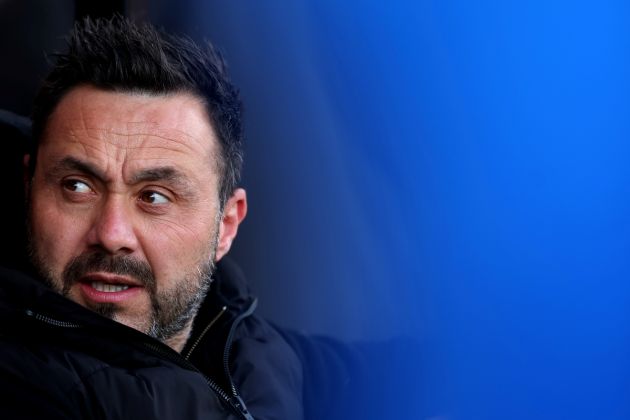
(109, 278)
(96, 296)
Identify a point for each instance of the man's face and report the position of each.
(124, 209)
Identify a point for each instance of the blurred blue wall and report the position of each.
(457, 171)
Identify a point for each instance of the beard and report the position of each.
(171, 311)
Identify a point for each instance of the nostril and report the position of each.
(98, 248)
(114, 231)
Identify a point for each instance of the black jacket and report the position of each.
(59, 360)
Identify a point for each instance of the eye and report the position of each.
(152, 197)
(77, 186)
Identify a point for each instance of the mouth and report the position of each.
(108, 288)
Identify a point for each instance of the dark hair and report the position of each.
(119, 55)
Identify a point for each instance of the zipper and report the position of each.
(228, 347)
(51, 321)
(205, 330)
(234, 402)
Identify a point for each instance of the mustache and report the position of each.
(101, 262)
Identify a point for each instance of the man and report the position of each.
(133, 202)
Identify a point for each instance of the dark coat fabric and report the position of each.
(59, 360)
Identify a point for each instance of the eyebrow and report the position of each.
(162, 173)
(74, 164)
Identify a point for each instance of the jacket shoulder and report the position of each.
(244, 353)
(267, 370)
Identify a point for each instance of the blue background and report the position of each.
(452, 171)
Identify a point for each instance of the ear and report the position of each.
(234, 212)
(26, 173)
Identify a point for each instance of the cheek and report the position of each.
(175, 247)
(56, 235)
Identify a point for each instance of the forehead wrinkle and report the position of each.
(143, 130)
(88, 149)
(156, 129)
(172, 145)
(167, 138)
(113, 149)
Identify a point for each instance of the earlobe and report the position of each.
(234, 212)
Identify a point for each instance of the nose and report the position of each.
(113, 229)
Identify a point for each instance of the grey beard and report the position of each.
(180, 312)
(171, 311)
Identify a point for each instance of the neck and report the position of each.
(178, 341)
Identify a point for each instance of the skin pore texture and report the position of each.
(124, 211)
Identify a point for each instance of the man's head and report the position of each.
(132, 184)
(118, 55)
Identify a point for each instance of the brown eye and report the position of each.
(152, 197)
(77, 186)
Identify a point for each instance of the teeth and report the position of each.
(105, 287)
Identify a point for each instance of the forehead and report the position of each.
(131, 128)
